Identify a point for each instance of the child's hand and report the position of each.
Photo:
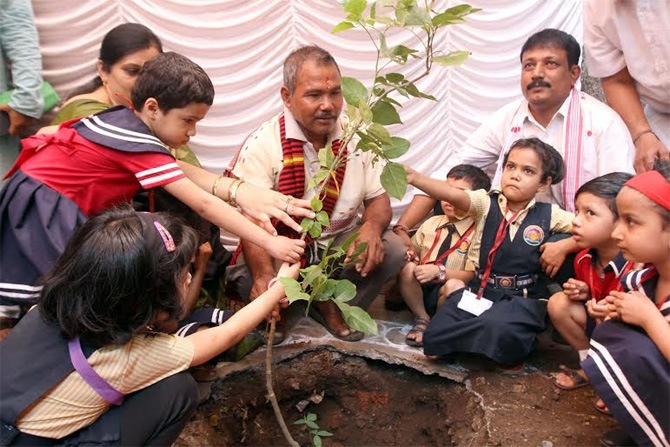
(289, 270)
(426, 273)
(598, 310)
(202, 256)
(553, 256)
(411, 173)
(576, 290)
(632, 307)
(406, 240)
(411, 256)
(285, 249)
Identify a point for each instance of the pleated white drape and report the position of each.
(241, 44)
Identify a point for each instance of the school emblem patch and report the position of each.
(505, 282)
(533, 235)
(463, 247)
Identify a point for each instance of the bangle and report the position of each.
(215, 186)
(400, 227)
(233, 192)
(644, 132)
(272, 282)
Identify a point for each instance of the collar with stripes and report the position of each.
(119, 128)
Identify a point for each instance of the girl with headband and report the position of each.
(628, 362)
(88, 365)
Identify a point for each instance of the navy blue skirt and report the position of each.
(506, 332)
(36, 222)
(632, 377)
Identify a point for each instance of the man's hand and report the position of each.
(373, 254)
(648, 149)
(17, 121)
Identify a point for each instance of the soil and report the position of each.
(368, 402)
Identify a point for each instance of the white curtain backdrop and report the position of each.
(241, 45)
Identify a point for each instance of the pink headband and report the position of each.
(653, 185)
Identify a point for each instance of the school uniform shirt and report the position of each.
(600, 287)
(633, 34)
(426, 237)
(480, 203)
(260, 162)
(73, 404)
(610, 150)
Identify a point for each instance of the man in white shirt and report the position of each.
(283, 155)
(627, 45)
(590, 136)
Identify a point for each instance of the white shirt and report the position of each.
(611, 148)
(260, 162)
(631, 34)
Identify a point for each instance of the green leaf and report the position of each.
(299, 422)
(357, 318)
(293, 290)
(311, 424)
(306, 223)
(326, 157)
(324, 433)
(366, 114)
(345, 290)
(399, 146)
(395, 78)
(379, 132)
(354, 91)
(452, 58)
(322, 218)
(400, 53)
(316, 204)
(414, 91)
(358, 251)
(384, 113)
(320, 176)
(310, 274)
(316, 440)
(341, 27)
(311, 417)
(355, 7)
(315, 231)
(417, 17)
(350, 240)
(394, 180)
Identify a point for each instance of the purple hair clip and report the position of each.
(166, 236)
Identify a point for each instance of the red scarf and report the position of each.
(292, 175)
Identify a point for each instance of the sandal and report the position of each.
(420, 325)
(353, 335)
(601, 407)
(578, 380)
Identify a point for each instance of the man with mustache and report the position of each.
(590, 136)
(283, 155)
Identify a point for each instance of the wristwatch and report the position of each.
(442, 275)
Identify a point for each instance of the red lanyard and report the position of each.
(451, 249)
(497, 242)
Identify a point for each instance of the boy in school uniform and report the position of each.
(439, 252)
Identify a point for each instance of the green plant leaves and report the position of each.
(354, 91)
(452, 58)
(357, 318)
(385, 114)
(399, 146)
(394, 180)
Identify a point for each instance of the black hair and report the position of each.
(551, 37)
(552, 162)
(118, 43)
(663, 167)
(174, 81)
(606, 187)
(294, 62)
(477, 177)
(115, 275)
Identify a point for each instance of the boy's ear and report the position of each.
(150, 107)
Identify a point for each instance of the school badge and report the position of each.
(463, 247)
(533, 235)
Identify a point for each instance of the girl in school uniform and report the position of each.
(628, 360)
